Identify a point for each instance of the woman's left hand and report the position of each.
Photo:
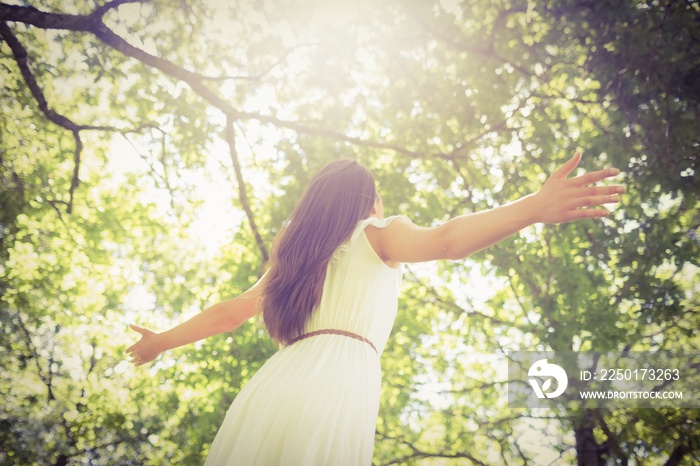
(146, 349)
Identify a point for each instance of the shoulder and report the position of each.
(380, 231)
(397, 239)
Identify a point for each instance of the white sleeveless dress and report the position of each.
(316, 402)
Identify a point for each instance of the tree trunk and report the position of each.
(588, 452)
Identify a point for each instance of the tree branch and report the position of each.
(612, 441)
(315, 131)
(242, 193)
(41, 19)
(93, 24)
(677, 455)
(261, 74)
(21, 57)
(488, 51)
(102, 10)
(35, 355)
(418, 453)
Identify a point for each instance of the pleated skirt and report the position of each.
(313, 403)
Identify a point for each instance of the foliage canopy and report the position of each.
(116, 116)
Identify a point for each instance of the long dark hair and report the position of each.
(337, 198)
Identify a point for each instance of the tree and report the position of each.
(454, 106)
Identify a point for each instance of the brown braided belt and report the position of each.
(333, 332)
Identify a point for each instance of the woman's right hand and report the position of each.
(146, 349)
(562, 199)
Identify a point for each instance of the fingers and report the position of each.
(579, 197)
(591, 201)
(602, 190)
(133, 354)
(564, 171)
(141, 330)
(135, 358)
(594, 196)
(594, 177)
(588, 206)
(134, 350)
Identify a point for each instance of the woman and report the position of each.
(330, 298)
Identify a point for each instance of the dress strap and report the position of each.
(333, 332)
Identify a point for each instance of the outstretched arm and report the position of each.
(561, 199)
(222, 317)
